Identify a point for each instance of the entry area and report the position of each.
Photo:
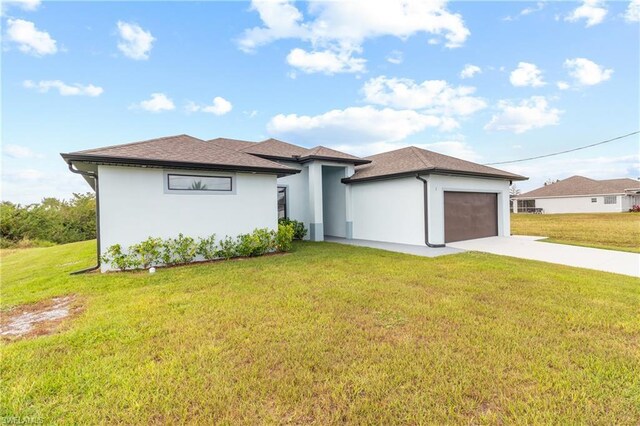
(334, 201)
(470, 215)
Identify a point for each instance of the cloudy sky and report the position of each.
(484, 81)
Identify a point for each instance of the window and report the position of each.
(610, 199)
(526, 206)
(282, 202)
(594, 200)
(198, 183)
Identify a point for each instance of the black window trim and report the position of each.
(286, 201)
(169, 174)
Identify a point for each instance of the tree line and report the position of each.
(52, 221)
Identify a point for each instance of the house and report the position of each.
(579, 194)
(181, 184)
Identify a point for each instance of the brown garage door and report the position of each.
(469, 215)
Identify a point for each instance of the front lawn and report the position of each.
(614, 231)
(326, 334)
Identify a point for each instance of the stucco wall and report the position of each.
(134, 206)
(388, 210)
(578, 205)
(438, 184)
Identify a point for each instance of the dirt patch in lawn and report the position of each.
(38, 319)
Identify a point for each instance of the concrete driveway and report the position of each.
(523, 247)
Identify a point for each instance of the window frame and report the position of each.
(168, 190)
(594, 199)
(608, 198)
(285, 188)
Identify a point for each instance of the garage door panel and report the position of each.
(469, 215)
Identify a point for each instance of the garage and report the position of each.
(470, 215)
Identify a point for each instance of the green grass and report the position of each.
(613, 231)
(326, 334)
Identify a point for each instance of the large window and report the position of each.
(610, 199)
(526, 206)
(282, 202)
(198, 183)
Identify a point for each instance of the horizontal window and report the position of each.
(199, 183)
(594, 200)
(610, 199)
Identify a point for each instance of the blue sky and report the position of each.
(539, 77)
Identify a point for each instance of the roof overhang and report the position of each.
(146, 162)
(435, 172)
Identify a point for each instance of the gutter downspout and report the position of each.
(426, 214)
(94, 176)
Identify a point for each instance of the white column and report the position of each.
(316, 229)
(348, 172)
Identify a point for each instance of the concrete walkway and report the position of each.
(523, 247)
(400, 248)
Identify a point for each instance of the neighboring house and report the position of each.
(181, 184)
(579, 194)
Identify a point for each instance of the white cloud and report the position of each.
(19, 152)
(64, 89)
(526, 75)
(563, 85)
(470, 70)
(135, 42)
(592, 11)
(341, 28)
(633, 11)
(435, 95)
(586, 72)
(326, 61)
(527, 115)
(29, 39)
(526, 11)
(157, 103)
(395, 57)
(220, 106)
(27, 186)
(28, 5)
(365, 124)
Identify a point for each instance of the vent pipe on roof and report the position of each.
(426, 214)
(94, 176)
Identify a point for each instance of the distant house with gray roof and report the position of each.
(579, 194)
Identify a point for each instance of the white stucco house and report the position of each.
(181, 184)
(579, 194)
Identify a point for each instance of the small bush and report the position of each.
(299, 231)
(148, 252)
(227, 248)
(284, 237)
(121, 260)
(207, 248)
(185, 249)
(259, 242)
(635, 208)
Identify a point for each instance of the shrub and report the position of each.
(121, 260)
(299, 231)
(184, 249)
(227, 248)
(259, 242)
(167, 255)
(148, 252)
(635, 208)
(207, 247)
(284, 237)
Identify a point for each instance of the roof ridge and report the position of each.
(419, 154)
(142, 142)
